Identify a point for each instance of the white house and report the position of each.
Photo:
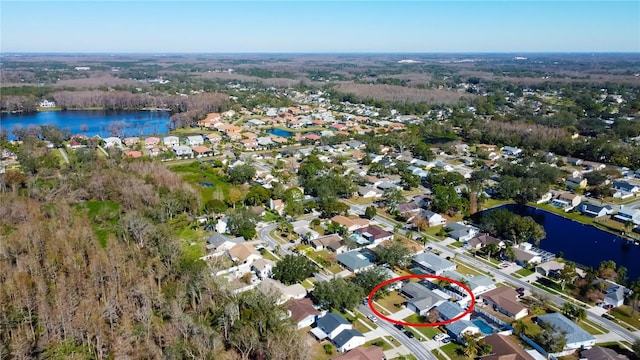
(47, 104)
(349, 339)
(182, 150)
(195, 140)
(262, 268)
(576, 337)
(302, 312)
(461, 232)
(112, 141)
(627, 214)
(171, 141)
(330, 325)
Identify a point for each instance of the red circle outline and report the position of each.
(421, 276)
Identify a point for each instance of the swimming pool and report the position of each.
(483, 326)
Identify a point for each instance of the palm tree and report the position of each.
(490, 249)
(520, 327)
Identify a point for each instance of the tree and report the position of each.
(392, 196)
(215, 206)
(241, 174)
(370, 212)
(445, 198)
(395, 254)
(409, 181)
(636, 347)
(371, 278)
(293, 269)
(551, 339)
(338, 294)
(520, 327)
(567, 274)
(257, 195)
(242, 222)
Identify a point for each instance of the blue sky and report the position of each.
(320, 26)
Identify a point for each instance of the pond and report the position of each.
(580, 243)
(280, 132)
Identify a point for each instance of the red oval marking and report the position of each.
(423, 276)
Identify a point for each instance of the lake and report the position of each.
(582, 244)
(279, 132)
(93, 122)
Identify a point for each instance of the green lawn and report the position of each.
(428, 331)
(358, 325)
(196, 172)
(406, 357)
(390, 300)
(268, 255)
(524, 272)
(451, 349)
(626, 314)
(457, 244)
(532, 328)
(104, 216)
(381, 343)
(591, 328)
(465, 270)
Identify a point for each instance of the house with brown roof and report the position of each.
(332, 242)
(244, 254)
(481, 240)
(302, 312)
(374, 234)
(200, 150)
(504, 299)
(566, 200)
(503, 348)
(133, 154)
(151, 142)
(601, 353)
(363, 353)
(276, 205)
(350, 223)
(213, 137)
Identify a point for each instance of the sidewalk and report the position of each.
(395, 352)
(401, 314)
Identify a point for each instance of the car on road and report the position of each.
(398, 326)
(520, 291)
(373, 318)
(409, 334)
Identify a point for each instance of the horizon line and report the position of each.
(4, 53)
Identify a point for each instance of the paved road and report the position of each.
(418, 349)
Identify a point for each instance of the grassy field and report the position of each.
(389, 301)
(326, 259)
(451, 349)
(104, 217)
(427, 331)
(524, 272)
(626, 314)
(197, 173)
(465, 270)
(379, 342)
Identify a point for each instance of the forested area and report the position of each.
(91, 268)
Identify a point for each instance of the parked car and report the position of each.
(398, 326)
(409, 334)
(446, 340)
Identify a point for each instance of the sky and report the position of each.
(302, 26)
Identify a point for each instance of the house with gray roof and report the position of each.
(576, 337)
(421, 299)
(461, 232)
(330, 325)
(478, 284)
(459, 328)
(627, 214)
(450, 310)
(348, 339)
(220, 243)
(432, 263)
(593, 210)
(355, 261)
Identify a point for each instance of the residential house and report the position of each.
(364, 353)
(626, 214)
(434, 219)
(194, 140)
(566, 200)
(593, 210)
(131, 141)
(302, 312)
(276, 205)
(601, 353)
(526, 256)
(511, 151)
(420, 299)
(576, 337)
(330, 325)
(350, 223)
(374, 234)
(458, 329)
(243, 253)
(348, 339)
(112, 141)
(202, 151)
(249, 144)
(614, 294)
(171, 141)
(294, 291)
(432, 263)
(151, 142)
(354, 144)
(625, 186)
(356, 261)
(133, 154)
(181, 150)
(593, 166)
(504, 348)
(451, 310)
(369, 192)
(552, 268)
(576, 183)
(478, 284)
(504, 299)
(214, 138)
(262, 268)
(417, 171)
(481, 240)
(461, 232)
(332, 242)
